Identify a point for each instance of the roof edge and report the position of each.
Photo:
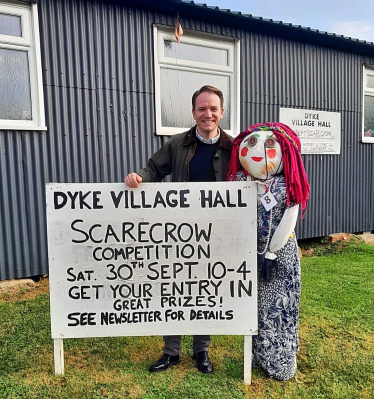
(188, 8)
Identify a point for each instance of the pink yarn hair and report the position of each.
(294, 172)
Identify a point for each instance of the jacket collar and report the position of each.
(225, 141)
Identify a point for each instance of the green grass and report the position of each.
(336, 359)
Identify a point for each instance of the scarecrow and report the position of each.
(270, 155)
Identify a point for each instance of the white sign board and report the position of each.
(164, 259)
(319, 131)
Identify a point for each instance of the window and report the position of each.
(368, 110)
(182, 68)
(21, 93)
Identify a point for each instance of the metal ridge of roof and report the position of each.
(271, 21)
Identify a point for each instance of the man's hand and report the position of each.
(133, 180)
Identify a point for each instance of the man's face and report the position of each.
(207, 114)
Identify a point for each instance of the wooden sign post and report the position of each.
(164, 259)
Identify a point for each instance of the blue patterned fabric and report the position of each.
(274, 348)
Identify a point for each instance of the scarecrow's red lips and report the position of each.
(257, 159)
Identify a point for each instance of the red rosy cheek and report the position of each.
(244, 152)
(271, 153)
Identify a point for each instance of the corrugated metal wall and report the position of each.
(97, 61)
(280, 73)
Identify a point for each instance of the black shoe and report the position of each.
(203, 363)
(164, 363)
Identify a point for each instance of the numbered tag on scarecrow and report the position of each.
(268, 201)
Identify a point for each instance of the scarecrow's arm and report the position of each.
(284, 229)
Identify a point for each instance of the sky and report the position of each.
(353, 18)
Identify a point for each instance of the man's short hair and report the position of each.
(209, 89)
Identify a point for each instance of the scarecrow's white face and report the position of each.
(260, 155)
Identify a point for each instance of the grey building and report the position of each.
(90, 89)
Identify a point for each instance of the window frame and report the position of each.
(367, 71)
(29, 43)
(232, 70)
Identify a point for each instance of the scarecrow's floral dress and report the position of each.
(275, 346)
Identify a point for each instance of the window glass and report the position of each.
(177, 88)
(370, 81)
(369, 116)
(191, 52)
(21, 86)
(15, 97)
(10, 25)
(182, 68)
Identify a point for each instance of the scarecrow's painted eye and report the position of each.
(252, 141)
(270, 142)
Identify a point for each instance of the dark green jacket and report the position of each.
(174, 158)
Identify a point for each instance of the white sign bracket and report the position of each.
(58, 344)
(248, 359)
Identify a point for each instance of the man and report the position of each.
(198, 155)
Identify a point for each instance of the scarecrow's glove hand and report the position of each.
(270, 255)
(268, 265)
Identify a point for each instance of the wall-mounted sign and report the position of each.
(319, 131)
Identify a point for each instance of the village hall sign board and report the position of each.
(164, 259)
(319, 131)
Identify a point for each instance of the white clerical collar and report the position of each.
(208, 141)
